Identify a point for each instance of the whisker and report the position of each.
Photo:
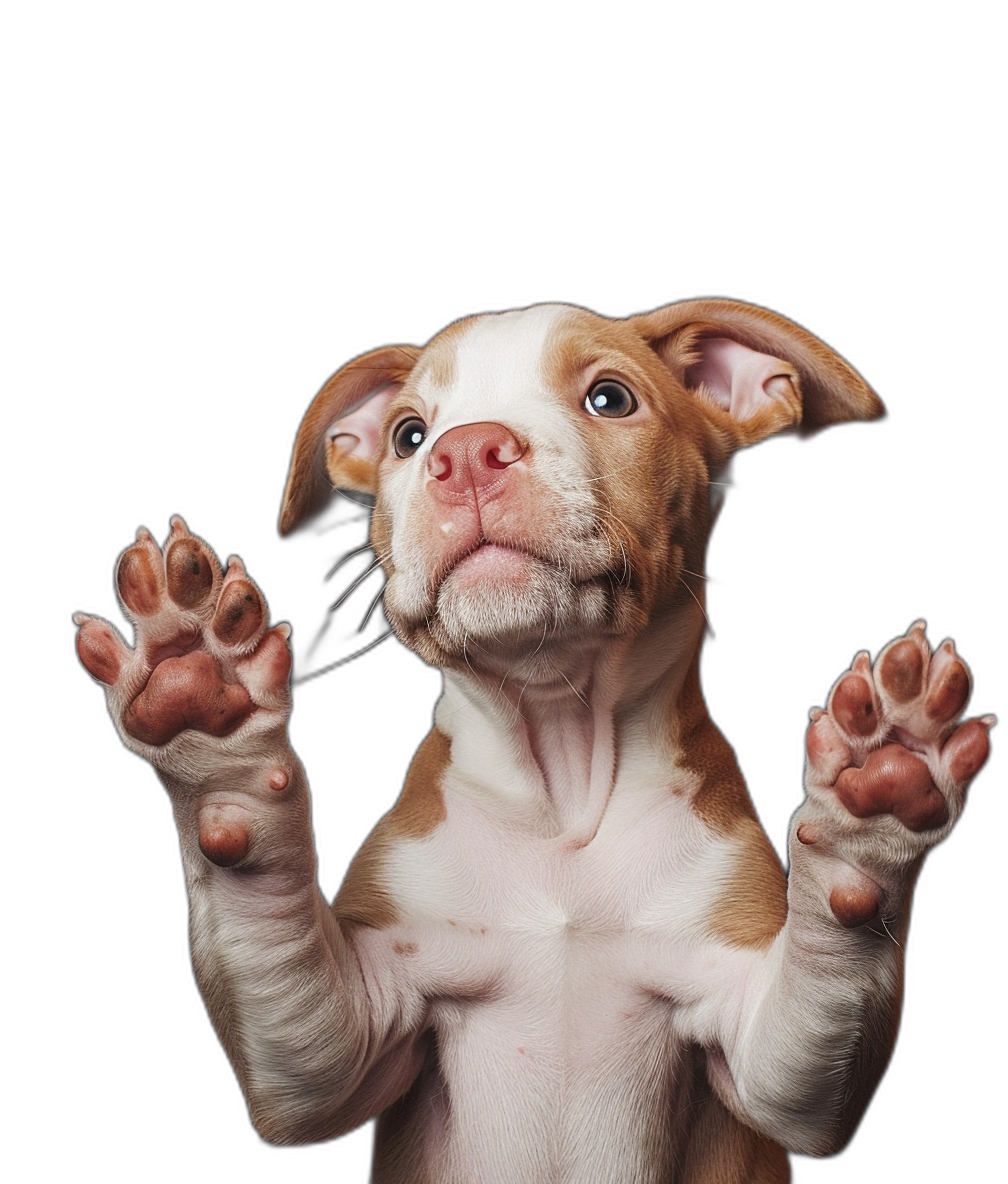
(351, 554)
(342, 661)
(371, 607)
(699, 605)
(574, 688)
(357, 583)
(694, 573)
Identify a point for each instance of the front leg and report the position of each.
(204, 697)
(886, 778)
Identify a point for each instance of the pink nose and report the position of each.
(470, 458)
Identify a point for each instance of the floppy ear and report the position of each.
(762, 371)
(337, 442)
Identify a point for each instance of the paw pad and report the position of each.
(203, 661)
(888, 743)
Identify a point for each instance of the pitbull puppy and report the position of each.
(569, 953)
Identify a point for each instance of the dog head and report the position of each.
(542, 477)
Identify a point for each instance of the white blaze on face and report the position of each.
(499, 374)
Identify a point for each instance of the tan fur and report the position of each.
(832, 390)
(306, 483)
(421, 805)
(363, 899)
(752, 909)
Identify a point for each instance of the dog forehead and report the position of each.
(488, 366)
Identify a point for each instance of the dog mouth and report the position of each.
(491, 561)
(500, 594)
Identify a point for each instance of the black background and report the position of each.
(193, 355)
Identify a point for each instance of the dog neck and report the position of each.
(553, 740)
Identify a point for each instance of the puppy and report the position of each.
(569, 953)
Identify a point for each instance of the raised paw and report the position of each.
(889, 762)
(205, 661)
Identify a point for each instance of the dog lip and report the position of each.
(509, 550)
(482, 545)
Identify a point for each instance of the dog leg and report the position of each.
(203, 696)
(888, 767)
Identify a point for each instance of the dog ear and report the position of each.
(763, 372)
(337, 443)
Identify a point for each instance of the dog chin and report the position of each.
(505, 601)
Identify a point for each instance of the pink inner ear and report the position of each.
(357, 433)
(740, 380)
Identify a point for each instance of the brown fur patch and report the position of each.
(752, 909)
(421, 806)
(753, 906)
(658, 520)
(721, 800)
(363, 898)
(307, 487)
(349, 472)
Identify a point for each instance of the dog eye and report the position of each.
(610, 399)
(408, 436)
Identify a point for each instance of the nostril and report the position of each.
(439, 465)
(503, 453)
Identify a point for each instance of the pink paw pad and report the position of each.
(224, 844)
(140, 576)
(890, 727)
(204, 659)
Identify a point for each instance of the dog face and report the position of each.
(541, 477)
(509, 506)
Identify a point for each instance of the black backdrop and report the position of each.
(187, 387)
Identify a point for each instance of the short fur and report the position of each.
(569, 953)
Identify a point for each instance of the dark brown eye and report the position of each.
(610, 399)
(408, 435)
